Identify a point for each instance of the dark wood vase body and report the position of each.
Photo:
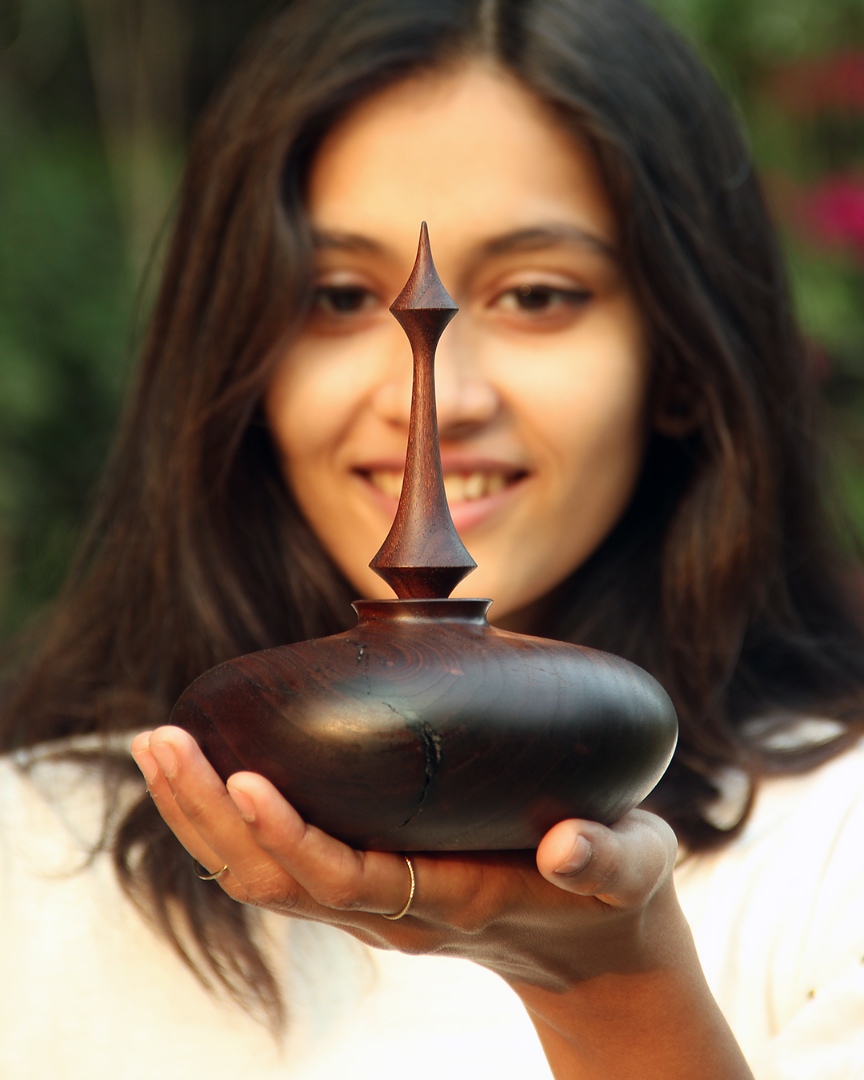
(424, 728)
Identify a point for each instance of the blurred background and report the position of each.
(97, 99)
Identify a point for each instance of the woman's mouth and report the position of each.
(460, 487)
(474, 494)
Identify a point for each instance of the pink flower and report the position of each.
(832, 212)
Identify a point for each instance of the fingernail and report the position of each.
(147, 764)
(166, 758)
(578, 858)
(244, 804)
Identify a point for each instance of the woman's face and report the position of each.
(541, 377)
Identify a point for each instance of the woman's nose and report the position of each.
(465, 398)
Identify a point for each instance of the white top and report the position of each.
(778, 919)
(88, 990)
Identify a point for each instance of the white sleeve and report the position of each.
(822, 1037)
(824, 1040)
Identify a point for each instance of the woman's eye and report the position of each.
(541, 299)
(343, 299)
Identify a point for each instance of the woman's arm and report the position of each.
(595, 944)
(645, 1010)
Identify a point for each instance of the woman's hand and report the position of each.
(588, 942)
(494, 908)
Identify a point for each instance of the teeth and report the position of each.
(459, 487)
(476, 485)
(387, 481)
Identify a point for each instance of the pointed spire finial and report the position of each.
(423, 557)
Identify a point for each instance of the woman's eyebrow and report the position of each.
(325, 240)
(539, 237)
(531, 238)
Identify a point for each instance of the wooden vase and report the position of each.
(424, 728)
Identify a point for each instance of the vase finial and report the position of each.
(423, 557)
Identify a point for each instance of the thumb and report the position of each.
(622, 865)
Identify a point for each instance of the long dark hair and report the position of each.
(723, 578)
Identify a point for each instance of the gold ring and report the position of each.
(401, 914)
(204, 874)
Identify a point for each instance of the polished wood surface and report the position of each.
(423, 555)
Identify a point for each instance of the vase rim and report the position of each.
(434, 608)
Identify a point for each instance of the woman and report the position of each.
(625, 409)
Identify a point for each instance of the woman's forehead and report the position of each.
(469, 150)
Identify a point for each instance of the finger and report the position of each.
(163, 796)
(199, 810)
(451, 890)
(204, 818)
(621, 866)
(335, 875)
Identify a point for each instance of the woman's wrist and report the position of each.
(660, 1022)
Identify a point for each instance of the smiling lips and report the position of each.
(460, 487)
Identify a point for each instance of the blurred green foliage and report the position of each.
(97, 98)
(64, 303)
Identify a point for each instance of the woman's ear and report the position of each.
(677, 410)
